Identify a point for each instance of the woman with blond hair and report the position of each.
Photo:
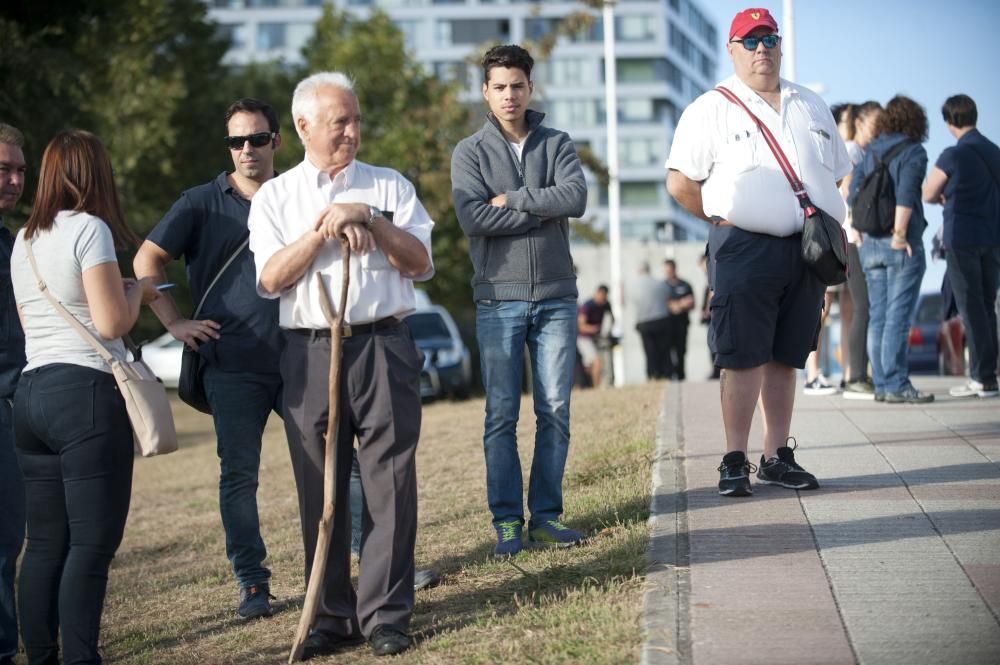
(73, 437)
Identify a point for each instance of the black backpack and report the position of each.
(874, 209)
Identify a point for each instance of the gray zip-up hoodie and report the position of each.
(520, 251)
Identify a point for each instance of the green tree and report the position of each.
(411, 122)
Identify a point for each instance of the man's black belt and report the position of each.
(349, 330)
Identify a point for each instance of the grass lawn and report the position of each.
(172, 598)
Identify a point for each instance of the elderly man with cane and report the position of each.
(297, 222)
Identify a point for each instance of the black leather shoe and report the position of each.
(321, 642)
(387, 640)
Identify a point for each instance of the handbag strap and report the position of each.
(218, 275)
(65, 313)
(989, 167)
(786, 167)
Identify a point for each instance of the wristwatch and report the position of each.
(373, 213)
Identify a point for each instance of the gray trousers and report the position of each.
(380, 405)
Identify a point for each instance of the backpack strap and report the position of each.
(893, 152)
(218, 275)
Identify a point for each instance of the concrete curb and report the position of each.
(665, 602)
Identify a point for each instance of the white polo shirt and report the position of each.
(287, 206)
(717, 143)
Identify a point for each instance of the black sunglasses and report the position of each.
(751, 43)
(258, 140)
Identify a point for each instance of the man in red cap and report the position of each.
(766, 302)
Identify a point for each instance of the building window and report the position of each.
(567, 71)
(451, 71)
(411, 33)
(641, 152)
(573, 112)
(297, 34)
(472, 31)
(641, 70)
(236, 33)
(635, 28)
(538, 28)
(641, 193)
(270, 36)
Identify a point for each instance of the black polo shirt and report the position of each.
(11, 336)
(972, 193)
(204, 227)
(677, 291)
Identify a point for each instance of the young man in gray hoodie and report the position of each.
(515, 184)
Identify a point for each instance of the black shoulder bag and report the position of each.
(824, 243)
(191, 383)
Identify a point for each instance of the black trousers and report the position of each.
(975, 273)
(654, 342)
(74, 445)
(380, 405)
(857, 336)
(677, 333)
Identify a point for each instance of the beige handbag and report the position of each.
(145, 396)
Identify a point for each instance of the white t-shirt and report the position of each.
(76, 242)
(284, 208)
(718, 144)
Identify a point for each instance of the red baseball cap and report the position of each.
(748, 19)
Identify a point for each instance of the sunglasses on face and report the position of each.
(751, 43)
(258, 140)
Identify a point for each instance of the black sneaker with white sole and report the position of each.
(734, 474)
(783, 470)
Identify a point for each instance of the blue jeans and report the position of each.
(974, 274)
(893, 280)
(11, 530)
(503, 327)
(241, 403)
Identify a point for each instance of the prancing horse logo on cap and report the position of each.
(755, 15)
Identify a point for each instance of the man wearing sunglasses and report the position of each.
(236, 333)
(766, 302)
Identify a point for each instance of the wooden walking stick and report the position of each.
(318, 573)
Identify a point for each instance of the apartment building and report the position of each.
(665, 58)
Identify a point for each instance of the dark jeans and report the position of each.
(74, 444)
(857, 336)
(11, 530)
(974, 273)
(241, 403)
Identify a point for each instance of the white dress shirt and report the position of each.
(718, 144)
(287, 206)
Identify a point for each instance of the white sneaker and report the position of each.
(819, 386)
(974, 389)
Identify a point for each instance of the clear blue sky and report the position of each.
(873, 49)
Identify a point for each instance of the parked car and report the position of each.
(447, 361)
(163, 355)
(936, 345)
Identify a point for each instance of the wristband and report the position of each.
(373, 213)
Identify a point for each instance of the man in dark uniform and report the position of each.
(680, 301)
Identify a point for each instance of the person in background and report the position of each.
(12, 170)
(858, 123)
(74, 439)
(680, 301)
(652, 321)
(894, 265)
(238, 334)
(966, 180)
(589, 324)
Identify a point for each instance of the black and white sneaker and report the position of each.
(782, 470)
(734, 474)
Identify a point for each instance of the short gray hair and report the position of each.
(306, 92)
(11, 135)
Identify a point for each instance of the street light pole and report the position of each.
(614, 194)
(788, 39)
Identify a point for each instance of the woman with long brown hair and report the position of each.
(894, 264)
(73, 437)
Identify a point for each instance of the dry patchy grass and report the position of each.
(172, 597)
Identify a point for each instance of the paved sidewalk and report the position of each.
(895, 559)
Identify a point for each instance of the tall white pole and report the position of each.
(614, 199)
(788, 39)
